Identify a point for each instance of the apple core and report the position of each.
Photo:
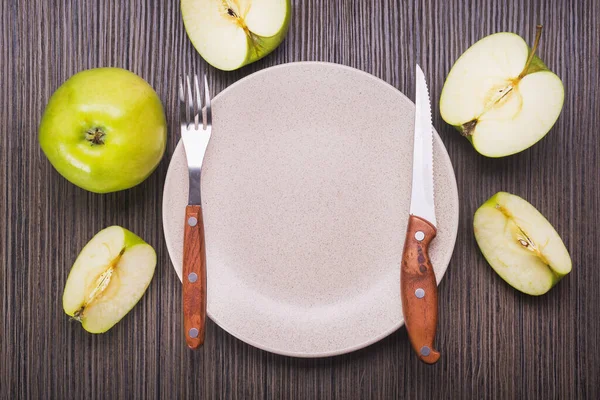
(102, 282)
(498, 93)
(501, 96)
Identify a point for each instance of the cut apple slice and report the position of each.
(108, 278)
(501, 96)
(520, 244)
(229, 34)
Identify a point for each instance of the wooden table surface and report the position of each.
(496, 342)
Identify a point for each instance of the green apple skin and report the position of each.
(258, 46)
(266, 45)
(550, 112)
(263, 46)
(109, 101)
(520, 244)
(131, 262)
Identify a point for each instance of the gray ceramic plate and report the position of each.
(306, 190)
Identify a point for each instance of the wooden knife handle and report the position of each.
(194, 277)
(419, 289)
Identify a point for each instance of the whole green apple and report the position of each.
(104, 130)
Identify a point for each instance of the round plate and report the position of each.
(305, 193)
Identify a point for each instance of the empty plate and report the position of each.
(305, 191)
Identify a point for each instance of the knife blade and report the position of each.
(418, 286)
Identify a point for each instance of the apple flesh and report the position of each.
(229, 34)
(108, 278)
(520, 244)
(104, 130)
(501, 96)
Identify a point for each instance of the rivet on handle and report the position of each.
(194, 333)
(425, 351)
(419, 235)
(193, 277)
(192, 221)
(420, 293)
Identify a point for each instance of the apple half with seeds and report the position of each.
(501, 96)
(108, 278)
(520, 244)
(229, 34)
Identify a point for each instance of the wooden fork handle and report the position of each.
(194, 277)
(419, 289)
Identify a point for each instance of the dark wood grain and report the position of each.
(495, 341)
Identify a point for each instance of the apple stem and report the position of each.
(77, 315)
(538, 35)
(468, 128)
(95, 135)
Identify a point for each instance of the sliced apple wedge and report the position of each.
(520, 244)
(108, 278)
(501, 96)
(229, 34)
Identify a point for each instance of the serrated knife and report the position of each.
(417, 280)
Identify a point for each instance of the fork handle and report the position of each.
(194, 277)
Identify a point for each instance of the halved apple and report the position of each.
(520, 244)
(229, 34)
(108, 278)
(501, 96)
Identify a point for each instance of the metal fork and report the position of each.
(195, 136)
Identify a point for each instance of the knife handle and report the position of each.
(419, 289)
(194, 277)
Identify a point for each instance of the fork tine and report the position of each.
(190, 102)
(182, 104)
(208, 120)
(198, 99)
